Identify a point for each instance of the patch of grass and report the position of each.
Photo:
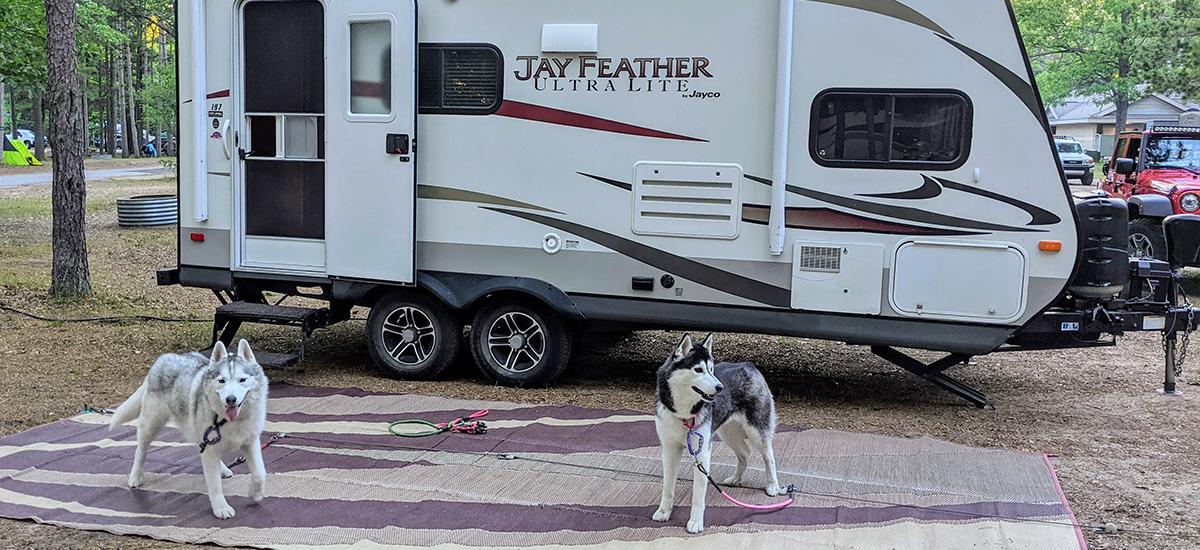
(24, 207)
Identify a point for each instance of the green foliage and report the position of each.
(23, 42)
(1111, 49)
(158, 96)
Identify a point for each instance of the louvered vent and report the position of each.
(820, 259)
(687, 200)
(462, 79)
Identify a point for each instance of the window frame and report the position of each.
(967, 131)
(459, 110)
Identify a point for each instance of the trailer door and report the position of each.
(370, 199)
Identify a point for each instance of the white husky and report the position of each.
(217, 402)
(732, 400)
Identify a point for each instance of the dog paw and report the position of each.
(226, 473)
(257, 493)
(695, 525)
(662, 514)
(135, 481)
(732, 480)
(223, 511)
(774, 490)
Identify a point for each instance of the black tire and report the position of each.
(521, 344)
(1146, 239)
(412, 336)
(1088, 179)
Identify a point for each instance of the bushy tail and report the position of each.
(130, 409)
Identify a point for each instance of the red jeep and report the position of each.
(1158, 173)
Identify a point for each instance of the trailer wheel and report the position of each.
(520, 344)
(412, 336)
(1146, 239)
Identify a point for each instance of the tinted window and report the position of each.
(460, 79)
(1173, 152)
(853, 127)
(1069, 147)
(900, 130)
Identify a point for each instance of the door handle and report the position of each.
(225, 139)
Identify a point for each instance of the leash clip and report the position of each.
(209, 438)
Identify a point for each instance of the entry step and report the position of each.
(248, 312)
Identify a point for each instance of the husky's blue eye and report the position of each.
(699, 369)
(241, 380)
(220, 380)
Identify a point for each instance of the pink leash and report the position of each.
(695, 452)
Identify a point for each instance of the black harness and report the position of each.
(212, 435)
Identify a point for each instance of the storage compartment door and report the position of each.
(982, 283)
(370, 130)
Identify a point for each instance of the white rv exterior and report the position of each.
(877, 172)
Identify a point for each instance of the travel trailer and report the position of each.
(537, 168)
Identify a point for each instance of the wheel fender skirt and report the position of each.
(461, 290)
(1150, 206)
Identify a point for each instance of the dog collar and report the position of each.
(689, 423)
(212, 435)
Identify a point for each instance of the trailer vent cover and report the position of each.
(820, 259)
(692, 200)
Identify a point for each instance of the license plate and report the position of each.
(1154, 323)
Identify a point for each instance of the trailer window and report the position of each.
(371, 67)
(462, 79)
(892, 130)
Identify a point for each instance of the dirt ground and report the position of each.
(1125, 454)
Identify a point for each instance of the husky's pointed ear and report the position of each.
(244, 351)
(218, 353)
(708, 343)
(685, 345)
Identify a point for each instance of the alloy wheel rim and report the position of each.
(516, 342)
(1140, 246)
(409, 336)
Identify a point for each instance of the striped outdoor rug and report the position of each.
(581, 478)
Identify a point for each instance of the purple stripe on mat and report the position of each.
(185, 460)
(495, 517)
(66, 431)
(445, 415)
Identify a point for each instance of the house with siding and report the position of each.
(1094, 124)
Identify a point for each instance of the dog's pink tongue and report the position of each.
(232, 413)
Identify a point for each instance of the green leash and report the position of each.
(433, 428)
(465, 425)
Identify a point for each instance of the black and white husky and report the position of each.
(220, 400)
(731, 399)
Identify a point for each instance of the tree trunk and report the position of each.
(39, 126)
(135, 136)
(2, 132)
(110, 105)
(1123, 69)
(69, 276)
(12, 106)
(119, 84)
(1122, 106)
(84, 119)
